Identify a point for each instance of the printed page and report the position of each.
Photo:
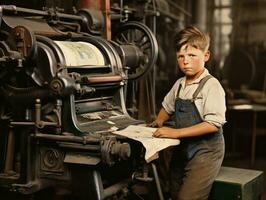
(80, 54)
(144, 135)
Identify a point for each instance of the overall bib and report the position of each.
(197, 160)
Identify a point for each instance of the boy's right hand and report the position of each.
(155, 124)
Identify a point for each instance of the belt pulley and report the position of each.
(143, 43)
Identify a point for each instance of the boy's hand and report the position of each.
(155, 124)
(165, 132)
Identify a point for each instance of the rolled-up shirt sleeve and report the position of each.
(214, 106)
(169, 100)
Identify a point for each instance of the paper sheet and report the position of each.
(144, 135)
(80, 54)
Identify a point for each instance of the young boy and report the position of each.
(197, 103)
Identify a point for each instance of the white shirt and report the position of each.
(210, 101)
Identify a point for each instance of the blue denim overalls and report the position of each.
(197, 160)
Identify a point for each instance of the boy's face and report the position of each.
(191, 61)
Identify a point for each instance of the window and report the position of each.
(222, 28)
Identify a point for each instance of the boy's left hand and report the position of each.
(165, 132)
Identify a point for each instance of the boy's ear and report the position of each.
(207, 56)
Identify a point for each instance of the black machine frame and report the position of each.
(47, 138)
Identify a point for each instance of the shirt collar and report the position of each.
(196, 81)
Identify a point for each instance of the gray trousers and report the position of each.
(192, 175)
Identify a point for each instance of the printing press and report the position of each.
(62, 90)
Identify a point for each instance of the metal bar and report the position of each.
(98, 185)
(83, 140)
(157, 182)
(179, 8)
(253, 138)
(95, 148)
(115, 188)
(14, 9)
(10, 151)
(94, 99)
(102, 79)
(23, 123)
(106, 10)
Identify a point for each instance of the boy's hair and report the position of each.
(194, 37)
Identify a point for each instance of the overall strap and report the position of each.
(201, 84)
(179, 88)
